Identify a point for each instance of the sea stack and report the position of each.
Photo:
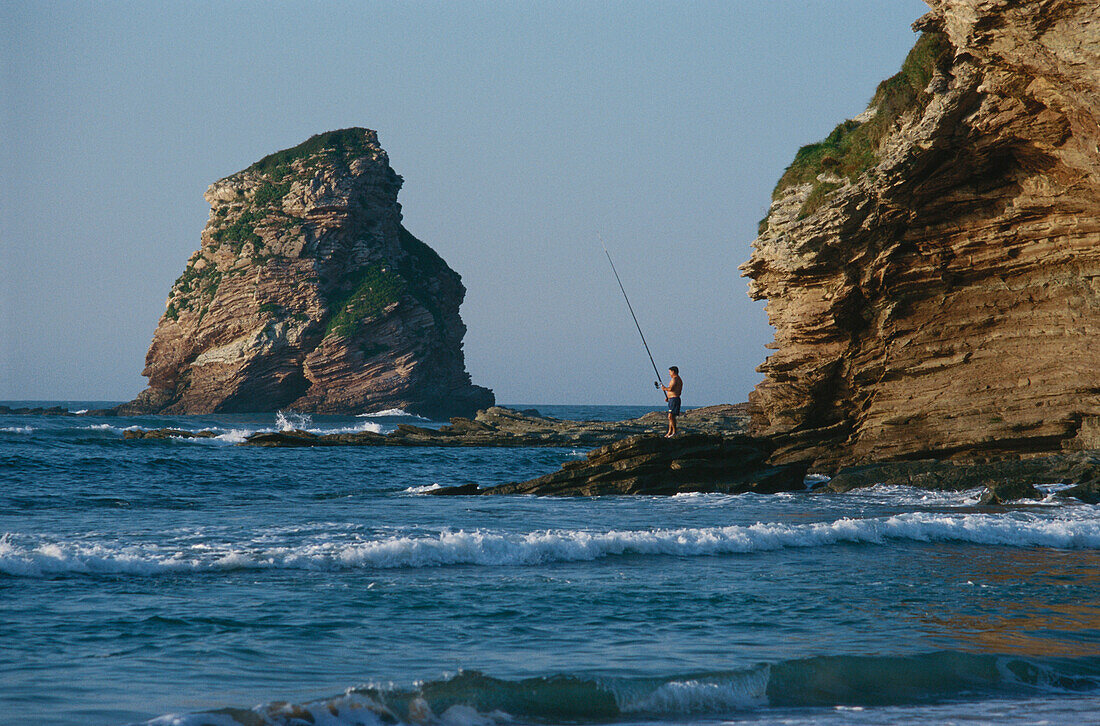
(308, 294)
(932, 268)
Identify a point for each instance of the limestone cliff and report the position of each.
(932, 269)
(309, 294)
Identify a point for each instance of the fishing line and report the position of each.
(631, 308)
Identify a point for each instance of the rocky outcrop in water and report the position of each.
(496, 427)
(500, 426)
(308, 293)
(932, 269)
(656, 466)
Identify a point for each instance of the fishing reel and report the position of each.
(656, 384)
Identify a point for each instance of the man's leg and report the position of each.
(672, 421)
(671, 425)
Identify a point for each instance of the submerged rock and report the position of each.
(654, 465)
(167, 434)
(36, 411)
(1009, 491)
(1087, 492)
(931, 267)
(308, 293)
(1006, 479)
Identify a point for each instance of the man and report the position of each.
(672, 395)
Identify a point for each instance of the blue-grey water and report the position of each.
(199, 582)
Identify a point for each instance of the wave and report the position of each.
(290, 421)
(283, 422)
(448, 548)
(392, 412)
(16, 429)
(475, 699)
(422, 489)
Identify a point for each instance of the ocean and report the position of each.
(197, 582)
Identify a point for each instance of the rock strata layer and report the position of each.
(932, 269)
(308, 293)
(654, 465)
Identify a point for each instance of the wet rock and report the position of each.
(36, 411)
(463, 489)
(167, 434)
(654, 465)
(1009, 475)
(498, 426)
(1088, 492)
(1009, 491)
(298, 437)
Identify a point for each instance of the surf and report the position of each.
(40, 556)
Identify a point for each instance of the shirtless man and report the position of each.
(672, 395)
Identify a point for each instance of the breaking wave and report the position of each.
(30, 557)
(392, 412)
(476, 699)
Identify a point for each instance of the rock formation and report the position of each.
(498, 427)
(932, 269)
(309, 294)
(653, 465)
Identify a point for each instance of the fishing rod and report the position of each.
(656, 383)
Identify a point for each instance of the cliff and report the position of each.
(932, 269)
(309, 294)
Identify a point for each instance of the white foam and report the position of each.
(347, 710)
(365, 426)
(423, 489)
(283, 422)
(289, 420)
(232, 436)
(394, 412)
(17, 429)
(701, 695)
(338, 551)
(81, 412)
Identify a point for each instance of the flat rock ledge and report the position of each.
(653, 465)
(499, 426)
(54, 411)
(167, 434)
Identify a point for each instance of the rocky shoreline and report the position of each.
(498, 426)
(714, 454)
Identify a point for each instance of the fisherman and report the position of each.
(672, 395)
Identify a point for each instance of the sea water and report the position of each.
(200, 582)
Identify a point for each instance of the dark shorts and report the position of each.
(674, 405)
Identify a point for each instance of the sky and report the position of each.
(522, 129)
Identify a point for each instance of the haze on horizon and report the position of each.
(521, 131)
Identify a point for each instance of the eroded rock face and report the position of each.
(309, 294)
(932, 269)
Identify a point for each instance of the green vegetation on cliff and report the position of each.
(377, 288)
(341, 141)
(193, 286)
(852, 147)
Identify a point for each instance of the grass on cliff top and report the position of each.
(376, 289)
(353, 140)
(852, 147)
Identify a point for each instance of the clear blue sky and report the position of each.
(521, 130)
